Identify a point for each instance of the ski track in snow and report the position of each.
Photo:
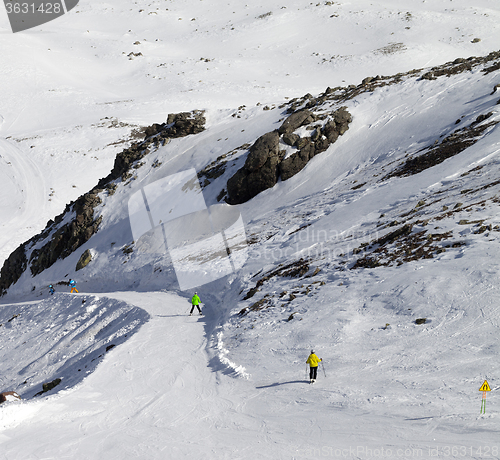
(30, 189)
(155, 396)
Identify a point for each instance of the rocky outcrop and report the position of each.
(178, 125)
(301, 110)
(296, 162)
(46, 387)
(266, 163)
(260, 171)
(264, 148)
(62, 240)
(67, 238)
(9, 396)
(450, 146)
(84, 260)
(13, 268)
(296, 120)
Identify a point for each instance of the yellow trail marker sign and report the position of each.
(485, 387)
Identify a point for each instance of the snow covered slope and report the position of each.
(77, 331)
(340, 192)
(74, 87)
(344, 257)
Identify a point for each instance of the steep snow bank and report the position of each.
(61, 337)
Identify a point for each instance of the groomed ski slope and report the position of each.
(162, 395)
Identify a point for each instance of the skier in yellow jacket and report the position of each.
(195, 302)
(313, 362)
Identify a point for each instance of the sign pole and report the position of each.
(484, 388)
(483, 403)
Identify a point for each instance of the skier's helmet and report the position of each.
(312, 352)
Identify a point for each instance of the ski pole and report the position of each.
(323, 366)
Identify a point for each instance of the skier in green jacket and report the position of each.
(195, 302)
(313, 362)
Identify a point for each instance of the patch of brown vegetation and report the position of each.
(450, 146)
(402, 246)
(295, 269)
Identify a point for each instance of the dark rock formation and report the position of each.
(265, 163)
(450, 146)
(13, 268)
(70, 236)
(183, 124)
(290, 138)
(264, 148)
(296, 162)
(296, 120)
(48, 386)
(178, 125)
(260, 171)
(84, 260)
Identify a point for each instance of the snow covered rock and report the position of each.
(9, 396)
(46, 387)
(185, 123)
(266, 163)
(295, 121)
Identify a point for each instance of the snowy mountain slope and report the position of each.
(66, 166)
(391, 384)
(402, 117)
(155, 397)
(74, 86)
(233, 384)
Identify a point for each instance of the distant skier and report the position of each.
(313, 362)
(72, 285)
(195, 302)
(51, 289)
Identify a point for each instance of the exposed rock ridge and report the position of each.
(266, 162)
(63, 240)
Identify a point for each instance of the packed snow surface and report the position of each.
(139, 377)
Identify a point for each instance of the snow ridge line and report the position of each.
(239, 370)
